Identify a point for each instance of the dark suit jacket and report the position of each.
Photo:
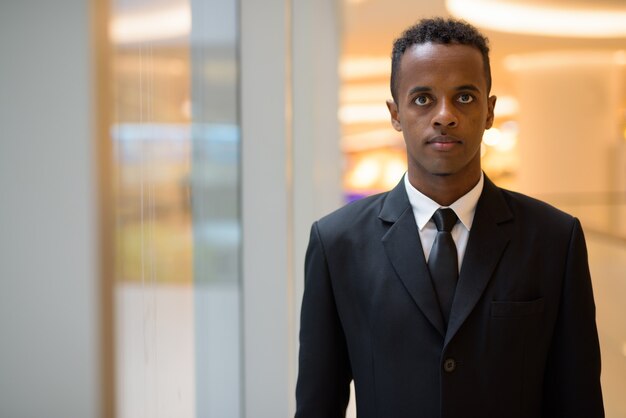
(522, 338)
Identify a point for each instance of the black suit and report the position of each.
(522, 339)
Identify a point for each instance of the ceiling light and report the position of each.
(364, 113)
(394, 169)
(563, 59)
(151, 25)
(365, 173)
(506, 106)
(372, 139)
(492, 137)
(535, 19)
(365, 93)
(364, 67)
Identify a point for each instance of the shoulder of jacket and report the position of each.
(353, 214)
(532, 208)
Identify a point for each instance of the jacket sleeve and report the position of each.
(324, 373)
(572, 380)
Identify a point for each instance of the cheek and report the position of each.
(478, 124)
(411, 145)
(478, 119)
(482, 119)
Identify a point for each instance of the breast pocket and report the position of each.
(516, 309)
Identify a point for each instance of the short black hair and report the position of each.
(439, 31)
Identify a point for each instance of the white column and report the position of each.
(317, 158)
(49, 300)
(266, 209)
(567, 150)
(568, 153)
(290, 176)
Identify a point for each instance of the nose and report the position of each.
(445, 116)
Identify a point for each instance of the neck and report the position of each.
(445, 190)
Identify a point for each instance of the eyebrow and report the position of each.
(419, 89)
(423, 89)
(468, 87)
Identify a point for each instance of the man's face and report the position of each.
(442, 109)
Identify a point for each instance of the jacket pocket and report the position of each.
(516, 309)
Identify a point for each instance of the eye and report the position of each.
(466, 98)
(422, 100)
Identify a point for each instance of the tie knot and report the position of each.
(445, 218)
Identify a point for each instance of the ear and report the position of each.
(491, 105)
(393, 111)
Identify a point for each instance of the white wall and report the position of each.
(48, 255)
(290, 176)
(569, 149)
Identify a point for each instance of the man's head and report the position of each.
(438, 31)
(441, 102)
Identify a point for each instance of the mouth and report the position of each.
(444, 142)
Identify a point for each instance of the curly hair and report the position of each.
(439, 31)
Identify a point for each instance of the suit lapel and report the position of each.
(486, 244)
(404, 249)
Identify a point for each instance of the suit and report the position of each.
(521, 340)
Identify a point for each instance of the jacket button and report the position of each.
(449, 365)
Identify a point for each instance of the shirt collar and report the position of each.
(424, 207)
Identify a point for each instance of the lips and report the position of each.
(444, 142)
(443, 139)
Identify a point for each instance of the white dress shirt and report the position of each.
(424, 208)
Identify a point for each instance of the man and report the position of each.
(491, 315)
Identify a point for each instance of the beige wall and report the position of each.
(569, 123)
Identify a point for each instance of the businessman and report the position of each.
(447, 297)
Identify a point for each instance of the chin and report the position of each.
(442, 171)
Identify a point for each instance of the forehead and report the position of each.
(432, 65)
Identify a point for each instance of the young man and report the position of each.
(447, 296)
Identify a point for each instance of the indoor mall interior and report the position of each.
(162, 161)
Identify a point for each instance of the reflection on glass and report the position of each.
(176, 150)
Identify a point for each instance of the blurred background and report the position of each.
(161, 162)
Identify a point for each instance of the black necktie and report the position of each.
(443, 260)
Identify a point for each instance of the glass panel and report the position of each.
(176, 157)
(215, 207)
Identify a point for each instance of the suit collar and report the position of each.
(404, 250)
(395, 203)
(485, 247)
